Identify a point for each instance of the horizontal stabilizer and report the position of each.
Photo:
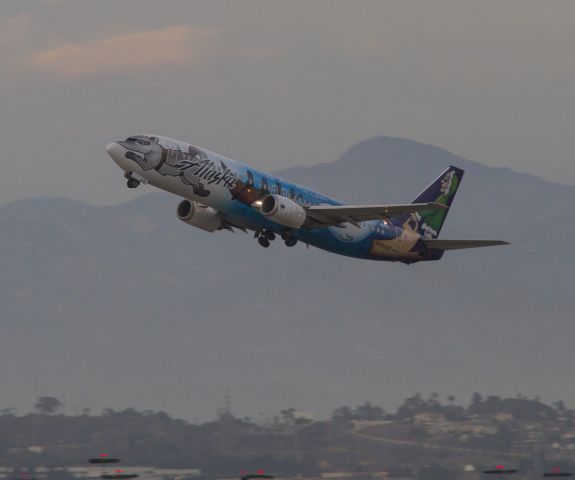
(460, 244)
(336, 214)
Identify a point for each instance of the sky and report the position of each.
(279, 83)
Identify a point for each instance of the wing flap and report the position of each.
(338, 214)
(461, 244)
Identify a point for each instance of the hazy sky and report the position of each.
(279, 83)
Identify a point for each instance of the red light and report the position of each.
(500, 467)
(118, 471)
(260, 472)
(556, 470)
(103, 454)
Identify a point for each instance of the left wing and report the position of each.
(330, 215)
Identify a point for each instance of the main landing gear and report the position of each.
(288, 239)
(265, 237)
(264, 242)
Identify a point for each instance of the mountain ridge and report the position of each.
(126, 306)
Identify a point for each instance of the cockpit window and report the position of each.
(138, 140)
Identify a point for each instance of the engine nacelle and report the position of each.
(198, 215)
(284, 211)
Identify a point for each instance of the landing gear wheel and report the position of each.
(132, 183)
(290, 242)
(264, 242)
(271, 236)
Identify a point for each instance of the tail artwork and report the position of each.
(428, 223)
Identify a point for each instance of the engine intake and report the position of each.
(284, 211)
(200, 216)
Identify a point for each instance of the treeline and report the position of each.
(287, 443)
(519, 407)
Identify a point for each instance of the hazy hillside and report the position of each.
(127, 306)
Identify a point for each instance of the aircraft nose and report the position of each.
(114, 150)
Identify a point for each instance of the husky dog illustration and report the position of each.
(149, 154)
(145, 151)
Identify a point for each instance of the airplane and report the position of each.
(223, 194)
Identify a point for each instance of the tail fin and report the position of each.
(428, 223)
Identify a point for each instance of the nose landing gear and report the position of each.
(132, 182)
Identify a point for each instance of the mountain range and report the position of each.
(127, 306)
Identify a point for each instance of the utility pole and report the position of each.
(225, 418)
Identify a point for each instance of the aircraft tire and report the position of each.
(132, 183)
(271, 236)
(290, 242)
(264, 242)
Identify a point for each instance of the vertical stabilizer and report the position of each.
(428, 223)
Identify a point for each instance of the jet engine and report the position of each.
(282, 210)
(198, 215)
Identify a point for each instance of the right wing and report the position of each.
(459, 244)
(330, 215)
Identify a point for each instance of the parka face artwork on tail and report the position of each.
(222, 194)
